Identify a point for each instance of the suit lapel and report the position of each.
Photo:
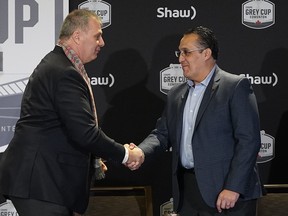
(209, 93)
(179, 112)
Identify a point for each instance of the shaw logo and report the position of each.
(258, 14)
(267, 150)
(101, 8)
(164, 12)
(106, 81)
(264, 80)
(171, 76)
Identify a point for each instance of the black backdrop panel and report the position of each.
(140, 42)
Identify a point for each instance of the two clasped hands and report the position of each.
(136, 156)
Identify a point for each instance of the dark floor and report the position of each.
(115, 201)
(116, 205)
(273, 204)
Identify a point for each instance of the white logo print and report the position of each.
(101, 8)
(262, 80)
(258, 14)
(164, 12)
(171, 76)
(105, 81)
(267, 150)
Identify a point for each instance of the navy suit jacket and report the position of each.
(226, 139)
(49, 156)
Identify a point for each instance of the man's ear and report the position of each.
(207, 53)
(76, 37)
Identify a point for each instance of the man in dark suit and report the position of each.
(212, 124)
(47, 167)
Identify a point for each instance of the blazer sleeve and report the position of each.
(73, 103)
(245, 120)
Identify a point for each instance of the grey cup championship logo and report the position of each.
(7, 209)
(101, 8)
(171, 76)
(258, 14)
(166, 209)
(267, 150)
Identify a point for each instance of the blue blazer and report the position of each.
(226, 139)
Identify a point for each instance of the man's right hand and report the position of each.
(136, 156)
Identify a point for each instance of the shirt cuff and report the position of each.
(126, 156)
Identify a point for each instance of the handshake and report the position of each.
(135, 159)
(136, 156)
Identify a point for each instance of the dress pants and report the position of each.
(32, 207)
(194, 205)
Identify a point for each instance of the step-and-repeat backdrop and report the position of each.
(137, 67)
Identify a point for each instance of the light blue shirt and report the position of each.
(191, 108)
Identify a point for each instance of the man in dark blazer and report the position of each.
(212, 124)
(47, 167)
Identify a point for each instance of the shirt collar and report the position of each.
(206, 81)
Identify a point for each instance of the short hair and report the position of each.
(207, 39)
(77, 19)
